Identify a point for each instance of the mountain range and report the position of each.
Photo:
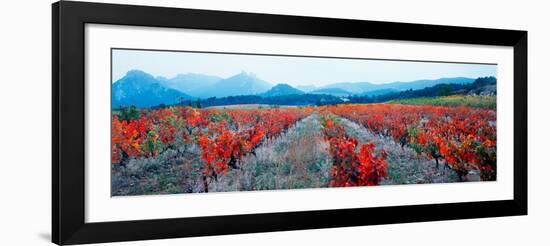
(191, 83)
(204, 86)
(364, 87)
(143, 90)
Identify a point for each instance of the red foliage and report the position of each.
(239, 132)
(464, 137)
(349, 167)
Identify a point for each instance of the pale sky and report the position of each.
(292, 70)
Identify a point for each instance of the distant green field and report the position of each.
(487, 102)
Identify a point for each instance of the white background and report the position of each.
(25, 106)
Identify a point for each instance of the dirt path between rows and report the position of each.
(298, 158)
(404, 165)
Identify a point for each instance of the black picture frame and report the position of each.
(68, 107)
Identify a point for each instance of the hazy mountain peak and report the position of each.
(190, 83)
(244, 74)
(138, 73)
(240, 84)
(283, 85)
(141, 89)
(161, 78)
(282, 89)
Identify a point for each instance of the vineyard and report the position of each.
(190, 150)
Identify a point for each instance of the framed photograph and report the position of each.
(175, 122)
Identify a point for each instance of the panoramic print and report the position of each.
(197, 122)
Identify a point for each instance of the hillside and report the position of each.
(379, 92)
(283, 100)
(143, 90)
(363, 87)
(332, 91)
(190, 83)
(282, 90)
(481, 86)
(237, 85)
(306, 88)
(484, 86)
(486, 102)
